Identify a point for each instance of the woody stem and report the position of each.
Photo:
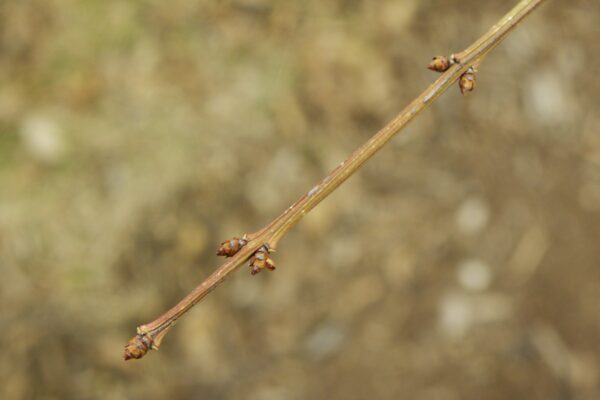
(150, 335)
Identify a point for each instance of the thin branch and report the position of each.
(256, 247)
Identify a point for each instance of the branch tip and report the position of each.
(137, 347)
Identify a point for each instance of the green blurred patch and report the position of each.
(9, 143)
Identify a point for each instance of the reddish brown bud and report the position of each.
(440, 63)
(467, 81)
(261, 260)
(137, 347)
(230, 247)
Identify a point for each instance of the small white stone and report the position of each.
(459, 312)
(472, 215)
(325, 340)
(42, 138)
(474, 274)
(455, 316)
(548, 100)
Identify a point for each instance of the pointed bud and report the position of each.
(440, 63)
(270, 264)
(467, 81)
(137, 347)
(230, 247)
(261, 260)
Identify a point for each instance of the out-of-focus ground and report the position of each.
(462, 262)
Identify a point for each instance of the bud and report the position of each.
(137, 347)
(440, 63)
(467, 81)
(230, 247)
(261, 260)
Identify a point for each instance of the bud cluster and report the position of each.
(466, 82)
(261, 260)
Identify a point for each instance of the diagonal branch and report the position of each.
(258, 245)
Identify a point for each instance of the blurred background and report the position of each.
(462, 262)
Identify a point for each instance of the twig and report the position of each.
(257, 246)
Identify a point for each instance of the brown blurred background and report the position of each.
(462, 262)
